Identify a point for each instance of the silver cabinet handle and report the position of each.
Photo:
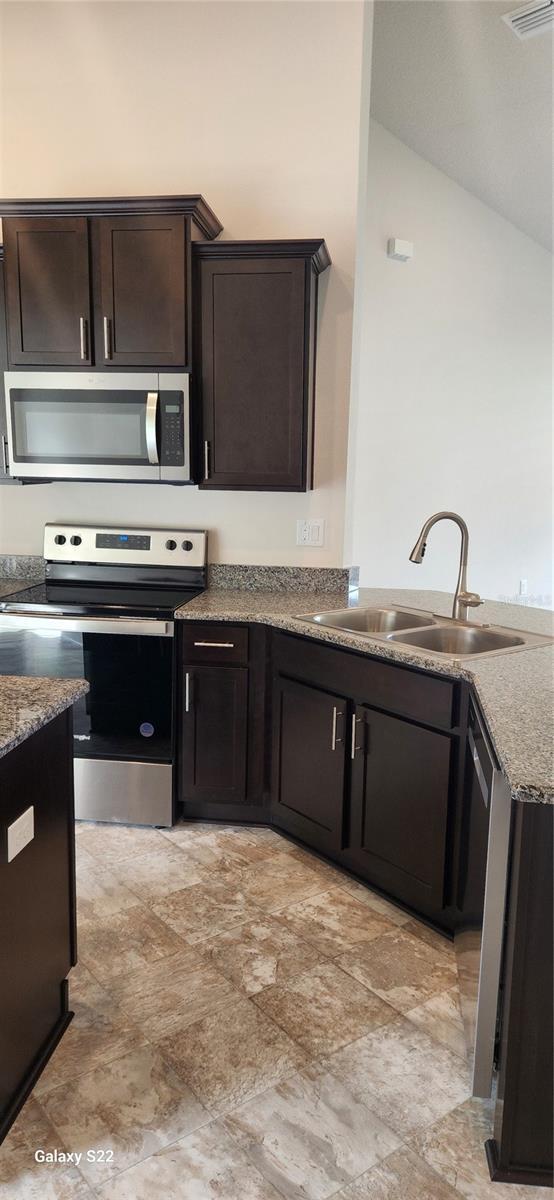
(206, 460)
(334, 739)
(187, 692)
(107, 338)
(151, 414)
(353, 747)
(226, 645)
(83, 337)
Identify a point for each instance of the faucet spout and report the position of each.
(462, 598)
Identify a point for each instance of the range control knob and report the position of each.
(170, 544)
(187, 545)
(60, 539)
(75, 540)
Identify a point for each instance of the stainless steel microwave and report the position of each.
(102, 426)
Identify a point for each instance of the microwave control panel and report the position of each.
(172, 429)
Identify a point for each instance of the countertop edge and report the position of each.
(454, 669)
(60, 698)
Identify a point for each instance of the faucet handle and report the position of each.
(471, 599)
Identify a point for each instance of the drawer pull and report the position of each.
(223, 645)
(187, 692)
(334, 739)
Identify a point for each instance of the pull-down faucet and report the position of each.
(462, 598)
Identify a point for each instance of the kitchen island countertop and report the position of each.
(27, 703)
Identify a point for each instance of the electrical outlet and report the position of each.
(310, 533)
(20, 833)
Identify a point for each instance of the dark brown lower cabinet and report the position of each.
(214, 735)
(399, 801)
(308, 763)
(37, 906)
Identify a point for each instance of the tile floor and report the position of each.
(250, 1024)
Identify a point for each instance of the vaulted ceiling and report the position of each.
(452, 81)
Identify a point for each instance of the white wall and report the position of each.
(256, 105)
(454, 396)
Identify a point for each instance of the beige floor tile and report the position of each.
(333, 921)
(157, 874)
(230, 1056)
(403, 1075)
(110, 843)
(132, 1106)
(207, 1165)
(258, 954)
(99, 1033)
(333, 875)
(124, 941)
(282, 881)
(441, 1017)
(22, 1178)
(400, 968)
(210, 845)
(435, 940)
(454, 1147)
(401, 1176)
(100, 893)
(324, 1009)
(309, 1135)
(165, 997)
(365, 895)
(205, 909)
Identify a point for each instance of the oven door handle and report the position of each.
(150, 427)
(121, 626)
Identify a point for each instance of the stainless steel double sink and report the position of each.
(427, 631)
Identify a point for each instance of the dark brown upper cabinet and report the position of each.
(47, 290)
(140, 290)
(256, 310)
(102, 282)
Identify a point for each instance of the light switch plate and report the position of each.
(20, 833)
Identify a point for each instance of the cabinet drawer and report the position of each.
(215, 644)
(396, 689)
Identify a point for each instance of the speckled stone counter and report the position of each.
(515, 690)
(28, 703)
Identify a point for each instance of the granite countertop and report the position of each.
(515, 690)
(27, 703)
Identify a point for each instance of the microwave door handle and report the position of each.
(151, 418)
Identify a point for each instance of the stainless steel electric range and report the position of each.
(105, 613)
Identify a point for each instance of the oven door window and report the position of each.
(70, 426)
(127, 712)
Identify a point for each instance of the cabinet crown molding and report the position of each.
(314, 249)
(194, 207)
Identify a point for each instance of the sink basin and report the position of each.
(457, 639)
(369, 620)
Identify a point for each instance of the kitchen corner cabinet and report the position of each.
(255, 309)
(102, 283)
(221, 699)
(308, 762)
(369, 776)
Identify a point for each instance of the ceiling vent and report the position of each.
(533, 18)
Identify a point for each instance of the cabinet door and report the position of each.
(140, 291)
(308, 763)
(399, 808)
(253, 375)
(214, 732)
(47, 290)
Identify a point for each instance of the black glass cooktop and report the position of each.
(89, 600)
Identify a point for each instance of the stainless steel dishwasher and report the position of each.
(482, 900)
